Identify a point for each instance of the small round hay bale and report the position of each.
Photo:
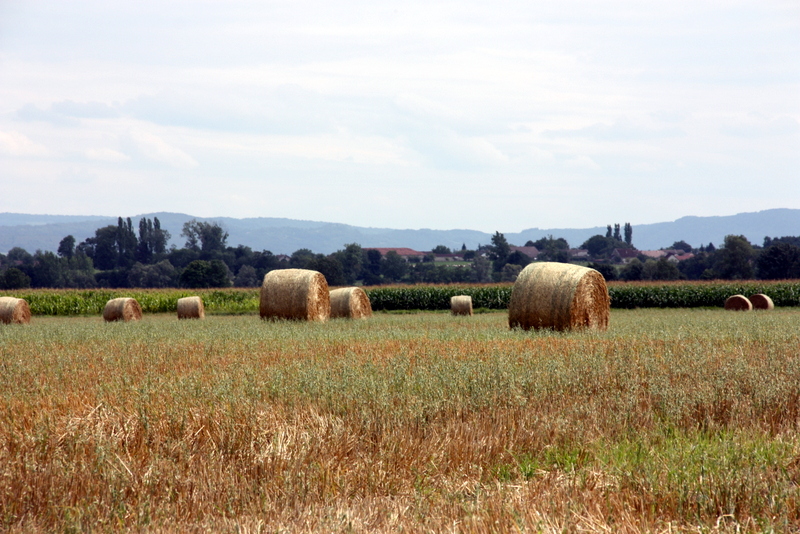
(191, 308)
(738, 303)
(461, 305)
(14, 310)
(122, 309)
(760, 301)
(560, 296)
(297, 294)
(350, 303)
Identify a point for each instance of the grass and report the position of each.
(672, 420)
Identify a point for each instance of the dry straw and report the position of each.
(560, 296)
(191, 308)
(297, 294)
(122, 309)
(761, 301)
(350, 303)
(461, 305)
(738, 303)
(14, 310)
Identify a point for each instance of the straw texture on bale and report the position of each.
(738, 303)
(461, 305)
(560, 296)
(298, 294)
(14, 310)
(191, 308)
(350, 303)
(122, 309)
(760, 301)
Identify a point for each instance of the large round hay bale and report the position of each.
(298, 294)
(350, 303)
(122, 309)
(461, 305)
(560, 296)
(14, 310)
(760, 301)
(191, 308)
(738, 303)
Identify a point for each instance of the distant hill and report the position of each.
(284, 236)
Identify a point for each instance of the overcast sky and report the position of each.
(480, 115)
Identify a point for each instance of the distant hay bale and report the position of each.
(14, 310)
(350, 303)
(560, 296)
(738, 303)
(191, 308)
(122, 309)
(760, 301)
(461, 305)
(298, 294)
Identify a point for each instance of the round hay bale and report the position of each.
(191, 308)
(298, 294)
(122, 309)
(461, 305)
(350, 303)
(560, 296)
(14, 310)
(760, 301)
(738, 303)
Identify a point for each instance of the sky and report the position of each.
(492, 116)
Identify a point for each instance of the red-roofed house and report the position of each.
(531, 252)
(624, 255)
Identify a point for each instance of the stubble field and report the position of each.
(672, 420)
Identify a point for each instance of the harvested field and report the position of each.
(669, 421)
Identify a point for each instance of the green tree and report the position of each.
(734, 259)
(246, 277)
(662, 269)
(126, 243)
(161, 274)
(606, 269)
(330, 268)
(202, 273)
(300, 258)
(205, 237)
(46, 270)
(441, 249)
(629, 234)
(372, 267)
(481, 269)
(510, 272)
(394, 267)
(681, 245)
(351, 259)
(66, 248)
(19, 256)
(779, 261)
(617, 234)
(499, 251)
(518, 258)
(632, 271)
(13, 278)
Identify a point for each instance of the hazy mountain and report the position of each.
(284, 236)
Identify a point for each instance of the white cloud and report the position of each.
(156, 149)
(17, 144)
(106, 154)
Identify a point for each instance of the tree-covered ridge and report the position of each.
(136, 255)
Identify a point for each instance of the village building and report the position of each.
(624, 255)
(531, 252)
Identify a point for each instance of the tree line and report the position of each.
(124, 255)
